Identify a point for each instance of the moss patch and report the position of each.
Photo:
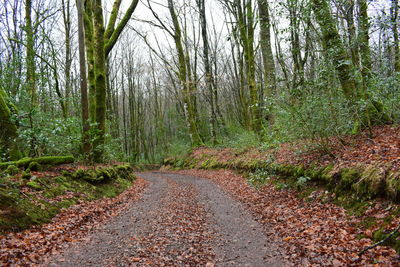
(49, 160)
(11, 170)
(34, 166)
(35, 201)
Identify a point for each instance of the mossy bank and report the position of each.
(27, 199)
(355, 188)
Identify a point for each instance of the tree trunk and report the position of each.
(208, 70)
(365, 51)
(335, 49)
(245, 21)
(188, 90)
(83, 82)
(351, 31)
(68, 53)
(394, 14)
(100, 80)
(99, 44)
(30, 55)
(8, 132)
(266, 49)
(89, 43)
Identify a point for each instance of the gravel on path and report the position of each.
(181, 220)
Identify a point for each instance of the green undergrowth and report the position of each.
(356, 189)
(30, 200)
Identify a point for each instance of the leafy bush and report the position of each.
(240, 138)
(258, 178)
(47, 135)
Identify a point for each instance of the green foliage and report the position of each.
(317, 113)
(112, 149)
(11, 170)
(239, 138)
(258, 178)
(177, 147)
(386, 90)
(50, 135)
(281, 185)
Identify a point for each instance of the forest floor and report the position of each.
(379, 147)
(196, 218)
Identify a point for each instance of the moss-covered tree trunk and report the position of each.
(238, 68)
(88, 26)
(8, 131)
(30, 54)
(266, 49)
(100, 79)
(188, 88)
(66, 13)
(394, 17)
(99, 42)
(351, 32)
(373, 113)
(335, 49)
(83, 81)
(245, 24)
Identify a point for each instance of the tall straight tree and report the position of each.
(83, 81)
(189, 89)
(394, 10)
(349, 7)
(245, 21)
(244, 34)
(365, 51)
(30, 54)
(266, 49)
(88, 26)
(66, 14)
(99, 41)
(208, 71)
(100, 79)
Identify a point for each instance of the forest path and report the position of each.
(180, 221)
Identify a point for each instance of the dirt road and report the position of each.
(180, 221)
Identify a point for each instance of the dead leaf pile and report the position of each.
(33, 246)
(311, 232)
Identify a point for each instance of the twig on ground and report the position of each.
(380, 242)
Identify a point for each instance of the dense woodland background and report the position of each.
(138, 81)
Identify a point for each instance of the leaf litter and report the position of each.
(312, 233)
(33, 246)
